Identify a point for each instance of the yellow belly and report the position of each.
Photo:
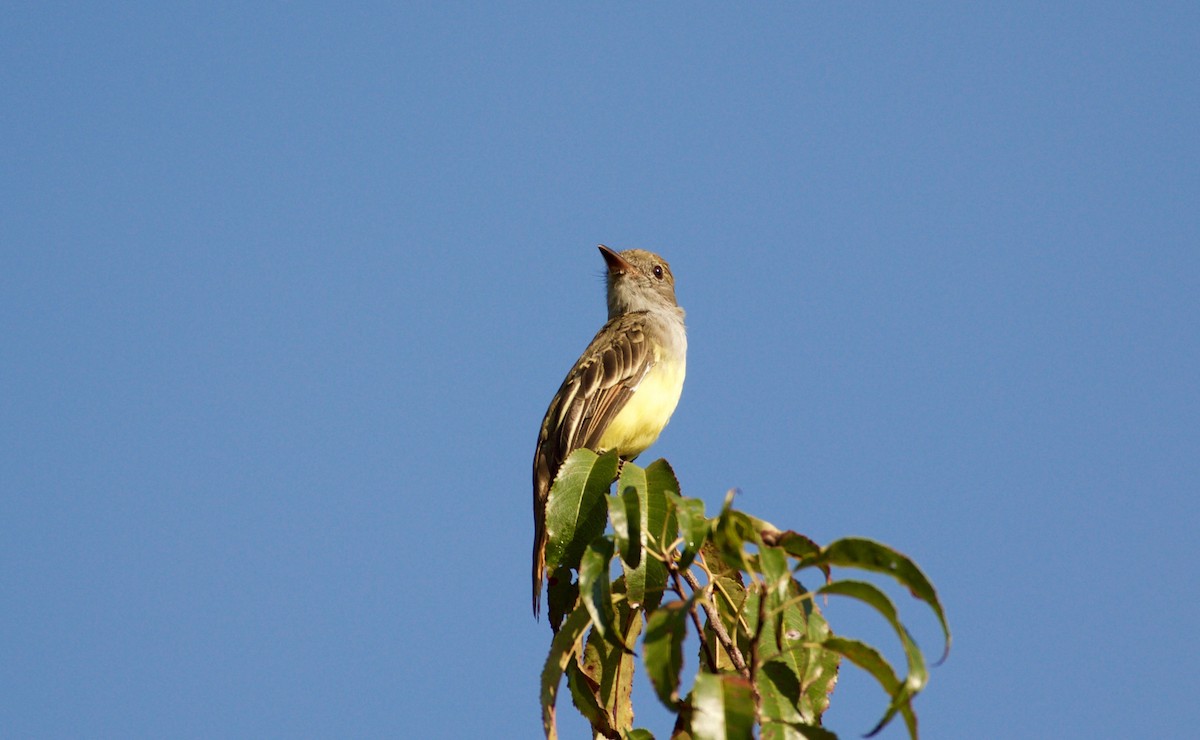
(648, 410)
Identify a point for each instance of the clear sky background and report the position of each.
(286, 289)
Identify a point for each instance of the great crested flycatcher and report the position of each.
(624, 387)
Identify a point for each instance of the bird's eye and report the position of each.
(658, 272)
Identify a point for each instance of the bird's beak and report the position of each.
(616, 263)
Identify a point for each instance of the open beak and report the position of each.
(616, 263)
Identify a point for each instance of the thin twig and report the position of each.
(754, 643)
(716, 584)
(708, 653)
(762, 620)
(714, 619)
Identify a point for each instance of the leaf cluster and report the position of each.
(767, 660)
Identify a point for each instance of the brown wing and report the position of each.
(594, 392)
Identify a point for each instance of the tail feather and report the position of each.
(539, 563)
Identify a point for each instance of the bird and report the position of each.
(622, 390)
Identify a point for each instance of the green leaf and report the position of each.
(779, 687)
(646, 582)
(722, 707)
(819, 674)
(730, 533)
(778, 577)
(585, 696)
(869, 555)
(796, 545)
(594, 587)
(661, 526)
(575, 511)
(609, 665)
(662, 649)
(729, 596)
(866, 657)
(715, 562)
(562, 649)
(638, 734)
(871, 595)
(732, 530)
(562, 595)
(692, 526)
(624, 511)
(775, 569)
(778, 730)
(795, 681)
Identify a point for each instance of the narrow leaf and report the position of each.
(779, 687)
(692, 526)
(624, 511)
(662, 649)
(868, 658)
(646, 582)
(729, 596)
(778, 730)
(585, 696)
(722, 707)
(730, 532)
(778, 578)
(796, 545)
(869, 555)
(871, 595)
(562, 649)
(609, 665)
(594, 587)
(661, 526)
(576, 512)
(562, 595)
(819, 669)
(795, 682)
(714, 561)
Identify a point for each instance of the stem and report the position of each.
(762, 620)
(708, 653)
(714, 620)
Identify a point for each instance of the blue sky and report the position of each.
(287, 287)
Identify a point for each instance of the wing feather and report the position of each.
(593, 393)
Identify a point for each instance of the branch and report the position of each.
(714, 619)
(708, 653)
(754, 643)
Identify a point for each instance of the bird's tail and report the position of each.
(539, 562)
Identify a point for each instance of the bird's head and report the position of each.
(637, 281)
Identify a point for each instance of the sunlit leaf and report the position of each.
(646, 582)
(796, 545)
(624, 511)
(576, 512)
(856, 552)
(795, 680)
(662, 649)
(731, 531)
(661, 526)
(729, 596)
(594, 585)
(777, 576)
(609, 665)
(868, 658)
(562, 595)
(562, 649)
(693, 527)
(869, 594)
(722, 707)
(773, 729)
(585, 696)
